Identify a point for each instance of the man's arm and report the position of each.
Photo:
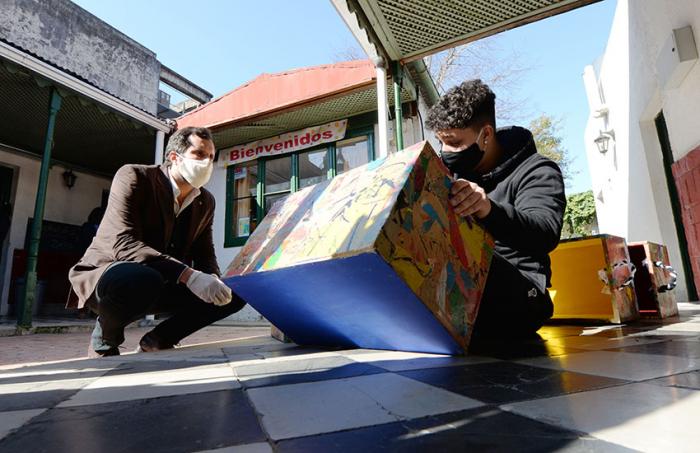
(533, 222)
(123, 223)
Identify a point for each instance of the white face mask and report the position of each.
(196, 172)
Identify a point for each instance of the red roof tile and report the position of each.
(271, 92)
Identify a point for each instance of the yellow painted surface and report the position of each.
(576, 288)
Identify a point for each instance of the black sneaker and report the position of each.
(151, 342)
(103, 352)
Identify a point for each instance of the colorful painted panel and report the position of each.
(396, 209)
(620, 278)
(655, 280)
(444, 259)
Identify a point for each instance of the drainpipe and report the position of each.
(398, 112)
(382, 107)
(425, 82)
(150, 320)
(25, 316)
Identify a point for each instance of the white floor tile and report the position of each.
(405, 361)
(289, 365)
(688, 326)
(319, 407)
(48, 372)
(154, 384)
(620, 365)
(639, 416)
(10, 421)
(261, 447)
(28, 388)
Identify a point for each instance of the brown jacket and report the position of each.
(137, 227)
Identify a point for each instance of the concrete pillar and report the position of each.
(160, 145)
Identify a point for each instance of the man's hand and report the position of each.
(208, 288)
(469, 198)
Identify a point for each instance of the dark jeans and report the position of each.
(511, 306)
(129, 291)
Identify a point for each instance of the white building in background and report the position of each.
(646, 87)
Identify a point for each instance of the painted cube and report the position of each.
(654, 281)
(593, 278)
(374, 258)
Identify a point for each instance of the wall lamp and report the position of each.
(69, 178)
(603, 141)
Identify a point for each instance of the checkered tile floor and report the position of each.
(634, 387)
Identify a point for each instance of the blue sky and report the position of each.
(220, 44)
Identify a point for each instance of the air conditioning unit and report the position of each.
(677, 57)
(163, 99)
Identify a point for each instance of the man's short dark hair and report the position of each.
(179, 141)
(471, 103)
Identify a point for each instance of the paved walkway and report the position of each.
(634, 387)
(50, 347)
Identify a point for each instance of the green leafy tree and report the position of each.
(580, 216)
(546, 131)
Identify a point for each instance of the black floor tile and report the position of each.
(297, 376)
(482, 429)
(35, 400)
(513, 350)
(687, 349)
(504, 382)
(173, 424)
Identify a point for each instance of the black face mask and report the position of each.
(462, 163)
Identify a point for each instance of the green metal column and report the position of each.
(398, 113)
(25, 316)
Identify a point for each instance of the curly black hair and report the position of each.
(470, 103)
(179, 141)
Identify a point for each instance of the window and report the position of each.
(314, 167)
(242, 182)
(351, 153)
(278, 180)
(250, 197)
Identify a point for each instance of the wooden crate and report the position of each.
(654, 281)
(375, 258)
(592, 278)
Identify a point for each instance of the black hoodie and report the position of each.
(527, 197)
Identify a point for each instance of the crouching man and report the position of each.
(153, 251)
(515, 193)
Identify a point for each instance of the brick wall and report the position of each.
(686, 173)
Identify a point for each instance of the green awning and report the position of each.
(88, 135)
(406, 30)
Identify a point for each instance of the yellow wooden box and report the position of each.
(593, 278)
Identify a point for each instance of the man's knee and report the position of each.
(130, 283)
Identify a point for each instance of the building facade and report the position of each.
(642, 137)
(78, 99)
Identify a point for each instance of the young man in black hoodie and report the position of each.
(515, 193)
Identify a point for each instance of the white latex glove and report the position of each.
(209, 288)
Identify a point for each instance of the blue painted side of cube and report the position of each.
(351, 302)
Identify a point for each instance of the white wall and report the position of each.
(609, 171)
(631, 178)
(62, 204)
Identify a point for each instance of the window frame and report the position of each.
(230, 239)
